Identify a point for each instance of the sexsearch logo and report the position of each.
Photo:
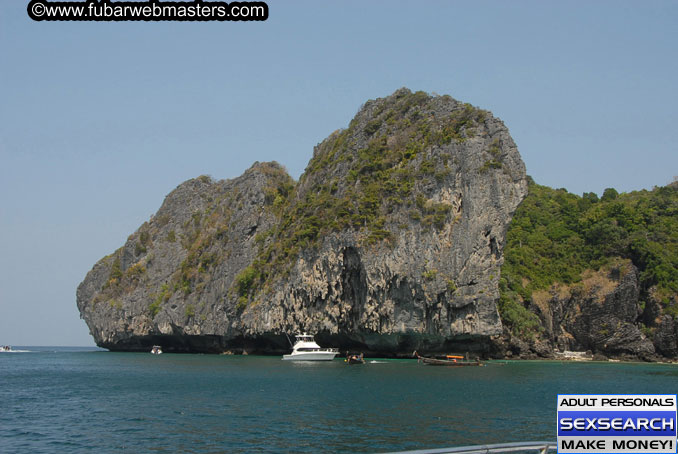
(616, 423)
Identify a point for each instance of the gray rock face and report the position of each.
(391, 240)
(666, 337)
(170, 280)
(599, 314)
(665, 334)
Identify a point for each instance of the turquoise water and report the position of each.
(61, 400)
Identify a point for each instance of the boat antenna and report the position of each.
(288, 340)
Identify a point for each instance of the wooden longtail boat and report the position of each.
(448, 360)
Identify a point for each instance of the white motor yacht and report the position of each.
(306, 349)
(156, 350)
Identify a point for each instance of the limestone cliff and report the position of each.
(598, 314)
(591, 274)
(391, 240)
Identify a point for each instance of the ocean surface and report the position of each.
(73, 400)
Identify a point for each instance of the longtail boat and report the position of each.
(447, 360)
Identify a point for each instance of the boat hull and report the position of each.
(355, 359)
(444, 362)
(448, 361)
(310, 356)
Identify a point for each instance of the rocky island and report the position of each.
(393, 239)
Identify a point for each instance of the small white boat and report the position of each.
(156, 350)
(5, 348)
(306, 349)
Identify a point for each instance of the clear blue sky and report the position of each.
(99, 121)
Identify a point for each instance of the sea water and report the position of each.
(65, 400)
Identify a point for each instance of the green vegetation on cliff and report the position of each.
(555, 236)
(383, 159)
(358, 177)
